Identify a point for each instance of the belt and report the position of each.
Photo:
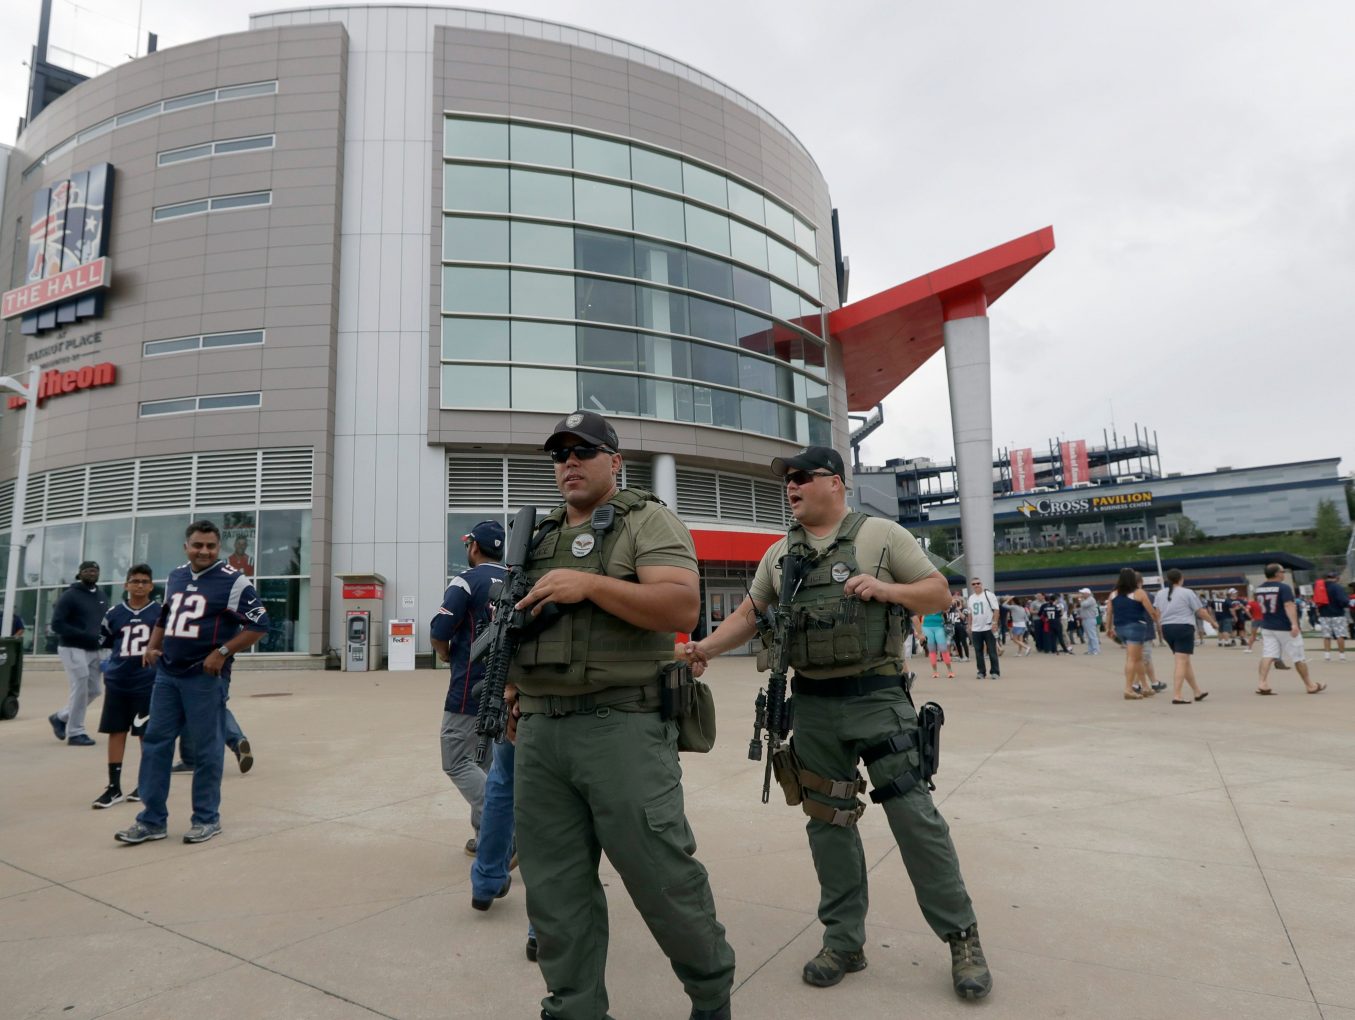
(557, 705)
(845, 686)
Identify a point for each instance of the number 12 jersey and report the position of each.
(127, 631)
(204, 611)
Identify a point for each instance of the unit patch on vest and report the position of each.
(571, 422)
(582, 546)
(841, 572)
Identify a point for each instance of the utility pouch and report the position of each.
(894, 635)
(690, 703)
(786, 769)
(930, 719)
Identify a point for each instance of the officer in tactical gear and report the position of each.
(850, 704)
(597, 768)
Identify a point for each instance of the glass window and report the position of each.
(458, 526)
(711, 320)
(242, 201)
(609, 394)
(650, 167)
(473, 239)
(757, 375)
(475, 386)
(604, 253)
(239, 536)
(549, 342)
(605, 301)
(816, 396)
(604, 204)
(263, 88)
(476, 188)
(536, 193)
(659, 398)
(664, 356)
(229, 401)
(660, 263)
(662, 217)
(661, 309)
(542, 244)
(183, 102)
(151, 408)
(288, 603)
(477, 139)
(754, 332)
(706, 229)
(712, 364)
(804, 236)
(529, 144)
(752, 289)
(183, 155)
(710, 276)
(781, 262)
(606, 348)
(61, 553)
(26, 605)
(109, 543)
(153, 347)
(808, 275)
(820, 432)
(159, 541)
(716, 407)
(243, 144)
(546, 294)
(700, 183)
(475, 339)
(170, 212)
(284, 545)
(543, 389)
(248, 338)
(600, 156)
(780, 219)
(141, 114)
(746, 202)
(759, 416)
(748, 244)
(785, 303)
(465, 289)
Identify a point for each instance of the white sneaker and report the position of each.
(1341, 657)
(1326, 656)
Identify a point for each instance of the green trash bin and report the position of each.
(11, 675)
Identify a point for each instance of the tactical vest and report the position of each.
(587, 649)
(829, 631)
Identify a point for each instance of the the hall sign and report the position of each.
(1086, 504)
(58, 289)
(57, 383)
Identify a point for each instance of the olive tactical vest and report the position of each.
(587, 649)
(830, 632)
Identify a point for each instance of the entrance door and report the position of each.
(719, 603)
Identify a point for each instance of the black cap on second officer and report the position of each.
(813, 458)
(590, 427)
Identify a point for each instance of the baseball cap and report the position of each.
(1084, 591)
(1232, 591)
(590, 427)
(487, 534)
(1332, 575)
(813, 458)
(88, 563)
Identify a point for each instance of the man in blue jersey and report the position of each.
(126, 632)
(1280, 635)
(463, 613)
(211, 614)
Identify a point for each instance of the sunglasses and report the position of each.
(582, 450)
(805, 477)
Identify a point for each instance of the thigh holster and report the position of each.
(794, 779)
(926, 738)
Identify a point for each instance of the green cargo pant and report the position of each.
(830, 734)
(610, 780)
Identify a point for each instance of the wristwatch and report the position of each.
(224, 651)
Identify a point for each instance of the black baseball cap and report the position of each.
(814, 458)
(590, 427)
(487, 534)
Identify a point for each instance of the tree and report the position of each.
(1187, 530)
(1330, 533)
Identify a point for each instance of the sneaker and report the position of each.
(968, 969)
(471, 845)
(135, 794)
(935, 676)
(1341, 657)
(950, 676)
(80, 740)
(831, 965)
(995, 676)
(1326, 656)
(58, 726)
(242, 755)
(138, 833)
(981, 676)
(202, 832)
(181, 766)
(108, 798)
(1137, 689)
(531, 948)
(480, 904)
(1159, 687)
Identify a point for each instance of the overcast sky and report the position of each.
(1196, 160)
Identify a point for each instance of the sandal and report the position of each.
(1318, 689)
(1175, 702)
(1264, 690)
(1131, 696)
(1201, 697)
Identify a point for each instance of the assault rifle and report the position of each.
(506, 630)
(770, 709)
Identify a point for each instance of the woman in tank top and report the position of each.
(933, 628)
(1132, 620)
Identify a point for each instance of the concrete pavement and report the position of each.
(1127, 859)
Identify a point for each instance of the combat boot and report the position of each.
(720, 1012)
(968, 968)
(831, 965)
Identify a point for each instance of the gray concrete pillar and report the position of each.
(664, 467)
(968, 374)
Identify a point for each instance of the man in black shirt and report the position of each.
(76, 620)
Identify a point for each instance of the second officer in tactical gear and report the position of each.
(597, 768)
(850, 705)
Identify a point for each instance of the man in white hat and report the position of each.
(1086, 614)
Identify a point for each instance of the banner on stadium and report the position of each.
(1023, 469)
(1074, 456)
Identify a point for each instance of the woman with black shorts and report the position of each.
(1178, 608)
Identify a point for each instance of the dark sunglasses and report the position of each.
(805, 477)
(583, 451)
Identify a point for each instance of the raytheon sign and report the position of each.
(1086, 504)
(68, 268)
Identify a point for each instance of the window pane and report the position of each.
(654, 168)
(169, 212)
(539, 145)
(474, 290)
(471, 239)
(459, 525)
(609, 394)
(604, 204)
(604, 253)
(752, 289)
(229, 401)
(785, 303)
(478, 139)
(244, 144)
(820, 432)
(26, 606)
(711, 364)
(606, 348)
(660, 263)
(706, 229)
(659, 216)
(605, 301)
(550, 342)
(153, 407)
(475, 339)
(136, 115)
(759, 416)
(816, 396)
(188, 343)
(109, 543)
(541, 194)
(241, 201)
(747, 244)
(780, 220)
(809, 275)
(665, 310)
(541, 244)
(284, 545)
(781, 262)
(61, 553)
(245, 339)
(288, 605)
(475, 386)
(717, 407)
(600, 156)
(183, 102)
(180, 155)
(710, 276)
(663, 356)
(159, 541)
(746, 202)
(543, 389)
(754, 332)
(804, 236)
(710, 320)
(546, 294)
(477, 188)
(266, 88)
(701, 183)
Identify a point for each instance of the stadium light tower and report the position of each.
(16, 521)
